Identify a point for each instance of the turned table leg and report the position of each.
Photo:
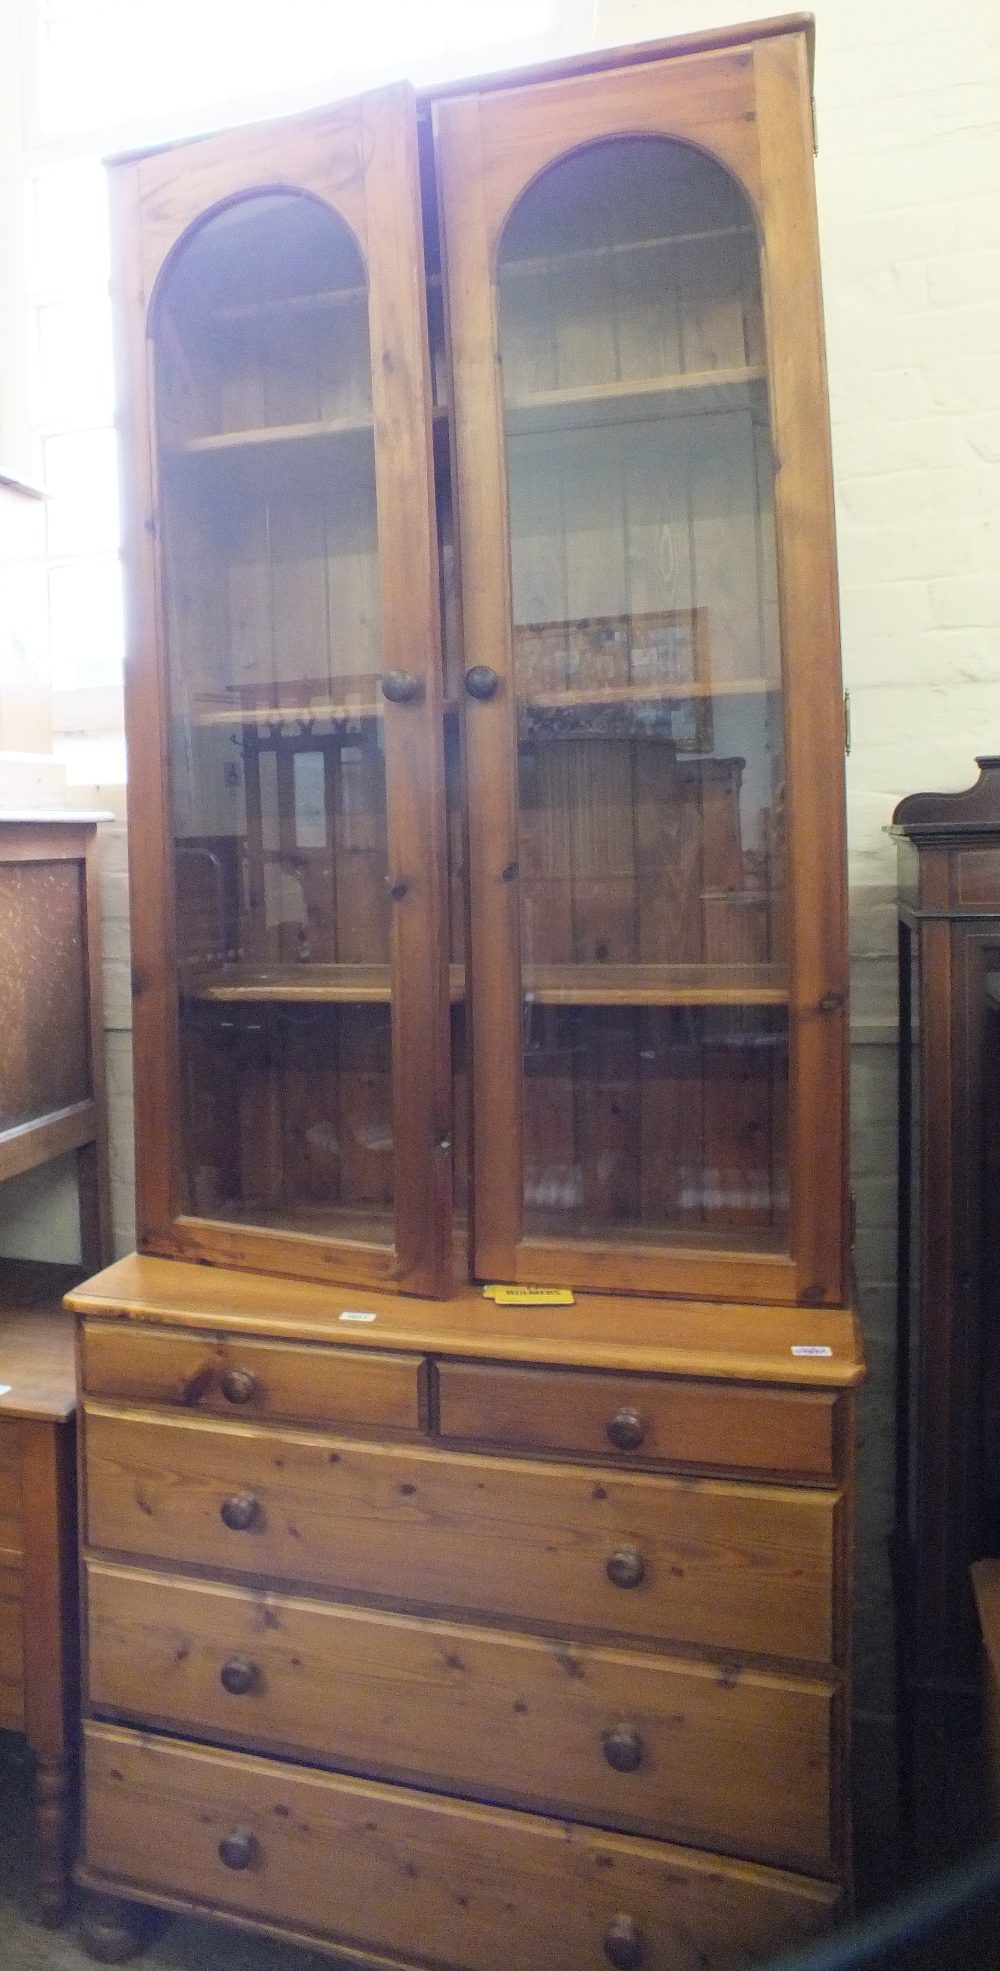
(53, 1793)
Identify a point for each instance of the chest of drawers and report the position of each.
(549, 1655)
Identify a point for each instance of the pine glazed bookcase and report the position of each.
(486, 819)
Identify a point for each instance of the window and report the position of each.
(102, 75)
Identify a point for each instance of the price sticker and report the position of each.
(529, 1296)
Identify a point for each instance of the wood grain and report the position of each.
(726, 1566)
(729, 1341)
(682, 1422)
(341, 1389)
(425, 1877)
(730, 1758)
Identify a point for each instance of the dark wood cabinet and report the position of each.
(486, 811)
(51, 1107)
(52, 1101)
(948, 1500)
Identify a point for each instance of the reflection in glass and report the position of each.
(277, 764)
(648, 680)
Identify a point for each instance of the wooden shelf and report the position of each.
(543, 985)
(570, 698)
(357, 1226)
(542, 263)
(325, 985)
(714, 1232)
(332, 711)
(330, 431)
(36, 1339)
(634, 401)
(580, 696)
(324, 710)
(656, 985)
(321, 432)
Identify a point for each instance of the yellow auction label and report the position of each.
(529, 1296)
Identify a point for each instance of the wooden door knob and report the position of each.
(240, 1513)
(239, 1849)
(239, 1676)
(482, 681)
(623, 1945)
(401, 687)
(623, 1749)
(626, 1430)
(238, 1385)
(626, 1568)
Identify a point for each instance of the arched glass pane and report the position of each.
(277, 778)
(648, 683)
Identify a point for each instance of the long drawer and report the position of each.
(340, 1388)
(640, 1419)
(418, 1876)
(738, 1568)
(655, 1745)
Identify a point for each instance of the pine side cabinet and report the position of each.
(486, 820)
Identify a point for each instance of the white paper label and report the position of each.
(357, 1317)
(5, 1388)
(810, 1348)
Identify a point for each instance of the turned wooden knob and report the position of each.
(626, 1430)
(240, 1849)
(239, 1676)
(238, 1385)
(481, 681)
(623, 1945)
(626, 1568)
(623, 1749)
(240, 1512)
(401, 687)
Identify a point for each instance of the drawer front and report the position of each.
(640, 1419)
(472, 1887)
(10, 1490)
(656, 1745)
(721, 1566)
(11, 1652)
(343, 1389)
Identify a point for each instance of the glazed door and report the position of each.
(291, 1016)
(652, 700)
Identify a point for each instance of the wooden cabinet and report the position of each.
(411, 1620)
(51, 1107)
(948, 1483)
(485, 719)
(39, 1628)
(52, 1059)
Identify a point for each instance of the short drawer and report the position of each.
(343, 1388)
(655, 1745)
(429, 1879)
(718, 1565)
(641, 1419)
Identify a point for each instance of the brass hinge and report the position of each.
(812, 106)
(847, 723)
